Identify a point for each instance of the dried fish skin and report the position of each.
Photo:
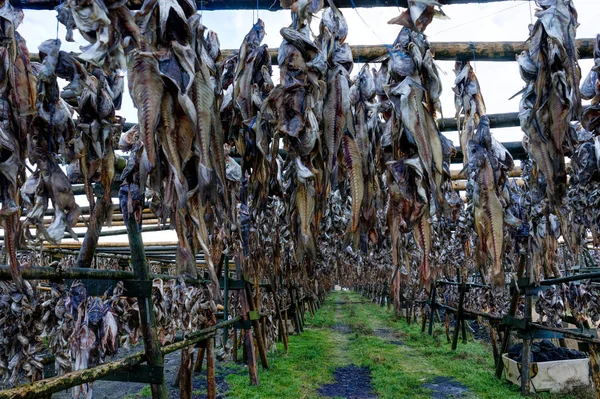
(335, 109)
(489, 214)
(590, 90)
(469, 104)
(418, 15)
(354, 171)
(146, 88)
(551, 98)
(423, 129)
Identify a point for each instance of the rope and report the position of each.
(366, 24)
(476, 20)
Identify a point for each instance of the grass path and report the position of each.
(349, 330)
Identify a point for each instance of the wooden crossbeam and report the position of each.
(443, 51)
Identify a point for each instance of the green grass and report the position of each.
(397, 371)
(145, 392)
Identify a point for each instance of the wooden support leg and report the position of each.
(447, 324)
(285, 327)
(176, 378)
(235, 346)
(260, 343)
(211, 386)
(185, 371)
(200, 359)
(595, 367)
(263, 331)
(525, 369)
(249, 346)
(459, 316)
(139, 263)
(423, 318)
(244, 348)
(497, 357)
(431, 310)
(434, 310)
(463, 325)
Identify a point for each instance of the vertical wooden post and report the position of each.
(423, 317)
(235, 346)
(497, 358)
(282, 329)
(260, 343)
(525, 368)
(514, 302)
(263, 330)
(285, 324)
(595, 367)
(211, 389)
(248, 343)
(185, 373)
(90, 241)
(459, 316)
(302, 323)
(225, 299)
(525, 361)
(139, 263)
(433, 307)
(200, 357)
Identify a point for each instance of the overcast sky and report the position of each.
(501, 21)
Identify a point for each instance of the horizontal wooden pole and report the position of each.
(443, 51)
(47, 386)
(271, 5)
(568, 279)
(59, 275)
(570, 334)
(452, 51)
(111, 233)
(468, 312)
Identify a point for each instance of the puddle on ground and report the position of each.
(342, 328)
(399, 343)
(446, 388)
(351, 382)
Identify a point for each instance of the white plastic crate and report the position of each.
(551, 376)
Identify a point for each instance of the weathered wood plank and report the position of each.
(443, 51)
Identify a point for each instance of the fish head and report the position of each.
(477, 155)
(213, 45)
(333, 19)
(366, 83)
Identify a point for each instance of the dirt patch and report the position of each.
(351, 382)
(446, 387)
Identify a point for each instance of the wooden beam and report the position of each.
(443, 51)
(451, 51)
(153, 354)
(56, 384)
(270, 5)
